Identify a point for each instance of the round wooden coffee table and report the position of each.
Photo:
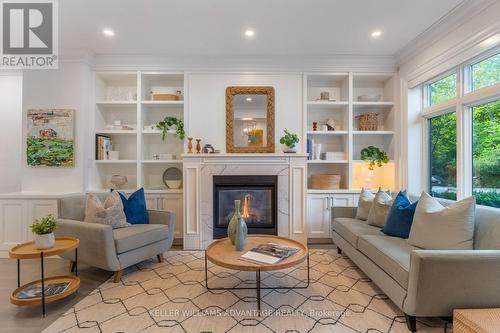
(29, 251)
(222, 253)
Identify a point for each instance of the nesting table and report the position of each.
(223, 253)
(29, 251)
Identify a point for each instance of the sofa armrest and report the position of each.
(164, 217)
(349, 212)
(442, 280)
(97, 245)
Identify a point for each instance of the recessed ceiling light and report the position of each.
(249, 99)
(249, 33)
(376, 33)
(108, 32)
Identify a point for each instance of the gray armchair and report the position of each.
(114, 249)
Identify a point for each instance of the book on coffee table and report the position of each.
(269, 253)
(35, 290)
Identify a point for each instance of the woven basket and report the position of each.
(325, 182)
(368, 121)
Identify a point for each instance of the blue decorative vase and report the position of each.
(241, 234)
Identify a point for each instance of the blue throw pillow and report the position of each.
(135, 207)
(400, 217)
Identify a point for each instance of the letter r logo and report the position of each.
(27, 28)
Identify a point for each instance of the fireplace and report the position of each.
(258, 198)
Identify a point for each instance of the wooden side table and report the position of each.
(29, 251)
(476, 320)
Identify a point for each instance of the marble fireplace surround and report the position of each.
(199, 170)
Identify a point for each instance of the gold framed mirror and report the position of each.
(250, 119)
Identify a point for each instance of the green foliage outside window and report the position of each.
(486, 138)
(443, 89)
(486, 72)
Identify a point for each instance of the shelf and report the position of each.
(361, 161)
(327, 161)
(116, 132)
(161, 161)
(116, 102)
(115, 161)
(164, 191)
(328, 103)
(162, 102)
(373, 104)
(74, 284)
(340, 190)
(327, 132)
(373, 132)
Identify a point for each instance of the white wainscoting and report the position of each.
(16, 215)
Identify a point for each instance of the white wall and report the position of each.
(207, 104)
(11, 93)
(66, 87)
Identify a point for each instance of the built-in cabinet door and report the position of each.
(151, 201)
(318, 215)
(173, 203)
(341, 200)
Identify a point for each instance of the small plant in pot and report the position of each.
(43, 231)
(374, 156)
(171, 124)
(289, 142)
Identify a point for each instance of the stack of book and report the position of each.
(269, 253)
(35, 290)
(103, 145)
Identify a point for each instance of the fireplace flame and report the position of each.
(246, 206)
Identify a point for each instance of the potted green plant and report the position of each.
(374, 156)
(171, 124)
(289, 142)
(43, 231)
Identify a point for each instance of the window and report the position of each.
(486, 153)
(443, 89)
(486, 72)
(443, 156)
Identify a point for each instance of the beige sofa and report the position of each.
(114, 249)
(427, 283)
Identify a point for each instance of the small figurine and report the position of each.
(198, 146)
(190, 145)
(315, 126)
(331, 124)
(208, 149)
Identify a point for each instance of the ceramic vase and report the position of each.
(43, 242)
(241, 234)
(287, 149)
(231, 228)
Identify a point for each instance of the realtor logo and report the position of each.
(29, 34)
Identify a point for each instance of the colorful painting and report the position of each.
(50, 138)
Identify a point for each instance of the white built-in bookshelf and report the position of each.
(344, 107)
(125, 96)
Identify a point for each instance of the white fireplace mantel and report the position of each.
(199, 170)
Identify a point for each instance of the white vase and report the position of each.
(45, 241)
(287, 149)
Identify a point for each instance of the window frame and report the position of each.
(465, 99)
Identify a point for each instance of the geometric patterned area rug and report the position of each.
(171, 297)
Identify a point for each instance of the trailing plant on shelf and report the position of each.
(43, 230)
(374, 156)
(289, 142)
(166, 124)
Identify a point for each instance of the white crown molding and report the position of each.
(463, 12)
(217, 63)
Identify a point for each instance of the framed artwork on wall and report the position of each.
(50, 138)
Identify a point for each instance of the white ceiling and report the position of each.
(216, 27)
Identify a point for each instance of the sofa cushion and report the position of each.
(436, 227)
(135, 207)
(380, 209)
(392, 254)
(350, 229)
(138, 235)
(110, 212)
(364, 204)
(400, 217)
